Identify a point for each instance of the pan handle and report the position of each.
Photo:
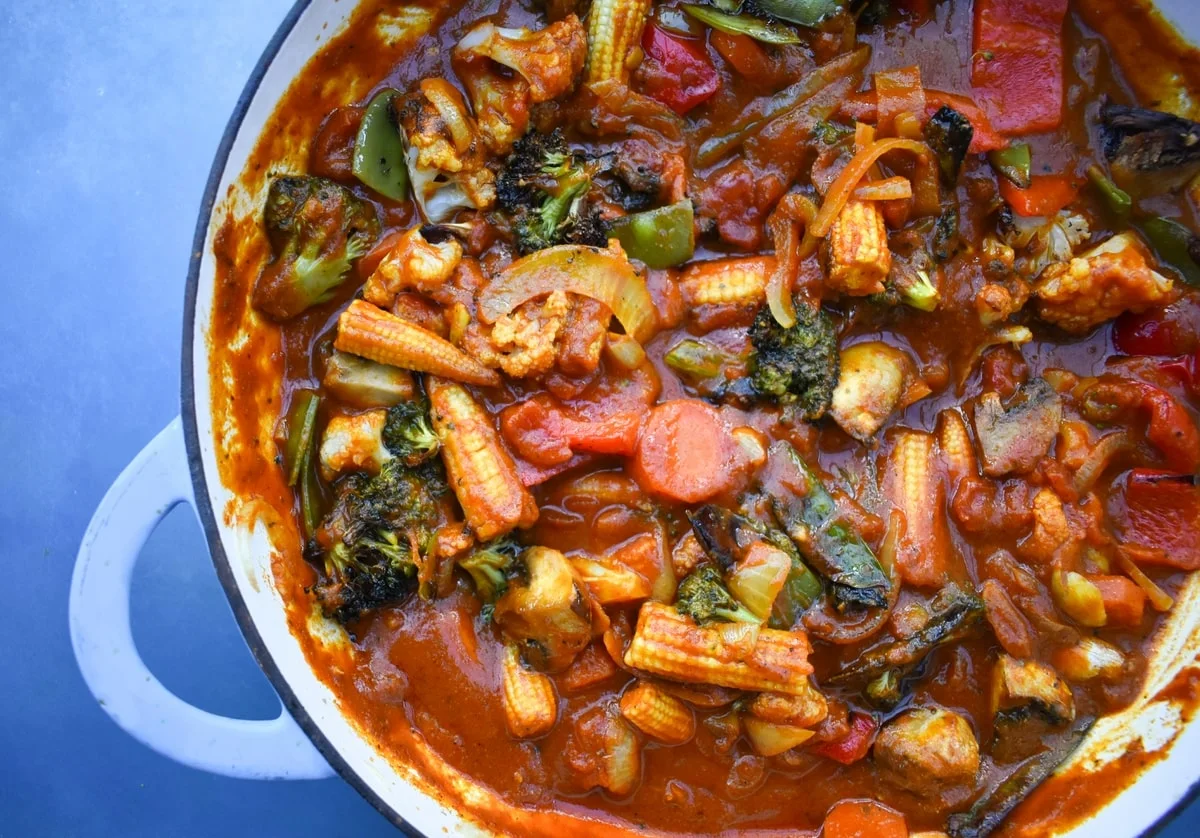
(141, 496)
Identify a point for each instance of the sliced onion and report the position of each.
(452, 109)
(1160, 600)
(601, 274)
(842, 188)
(793, 215)
(889, 189)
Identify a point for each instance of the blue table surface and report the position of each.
(109, 117)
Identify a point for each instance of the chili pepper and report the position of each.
(378, 150)
(1170, 427)
(855, 744)
(659, 238)
(677, 71)
(1014, 163)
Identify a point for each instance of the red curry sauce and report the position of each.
(430, 669)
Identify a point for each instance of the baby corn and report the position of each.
(657, 714)
(859, 258)
(373, 333)
(741, 657)
(483, 475)
(614, 29)
(915, 488)
(530, 704)
(726, 281)
(957, 452)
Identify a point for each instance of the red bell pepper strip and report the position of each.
(864, 107)
(676, 71)
(1045, 196)
(1170, 427)
(855, 744)
(547, 435)
(1162, 511)
(1017, 65)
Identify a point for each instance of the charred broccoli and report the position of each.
(407, 433)
(316, 229)
(490, 565)
(704, 597)
(1149, 151)
(380, 526)
(797, 366)
(544, 186)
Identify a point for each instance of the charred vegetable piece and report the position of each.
(658, 238)
(810, 517)
(803, 12)
(1014, 163)
(1023, 689)
(949, 134)
(1013, 438)
(379, 527)
(955, 614)
(489, 566)
(742, 24)
(990, 811)
(704, 597)
(724, 535)
(797, 366)
(1149, 151)
(379, 150)
(316, 229)
(544, 186)
(408, 434)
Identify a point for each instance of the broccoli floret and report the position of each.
(490, 565)
(380, 527)
(407, 433)
(704, 598)
(316, 229)
(797, 366)
(544, 186)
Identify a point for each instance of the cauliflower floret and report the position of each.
(1053, 532)
(1099, 285)
(413, 264)
(1040, 242)
(546, 63)
(354, 443)
(525, 343)
(928, 749)
(445, 152)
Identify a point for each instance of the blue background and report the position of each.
(110, 113)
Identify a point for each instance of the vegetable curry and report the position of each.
(764, 416)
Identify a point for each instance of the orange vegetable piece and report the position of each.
(1124, 600)
(686, 452)
(864, 819)
(1046, 195)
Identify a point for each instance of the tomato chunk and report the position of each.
(864, 819)
(1162, 510)
(855, 744)
(677, 71)
(687, 452)
(1017, 66)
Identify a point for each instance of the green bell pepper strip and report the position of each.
(659, 238)
(1117, 199)
(803, 12)
(378, 159)
(1014, 163)
(310, 497)
(301, 428)
(696, 358)
(1175, 245)
(759, 30)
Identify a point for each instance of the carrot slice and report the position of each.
(864, 819)
(1124, 601)
(686, 452)
(1046, 195)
